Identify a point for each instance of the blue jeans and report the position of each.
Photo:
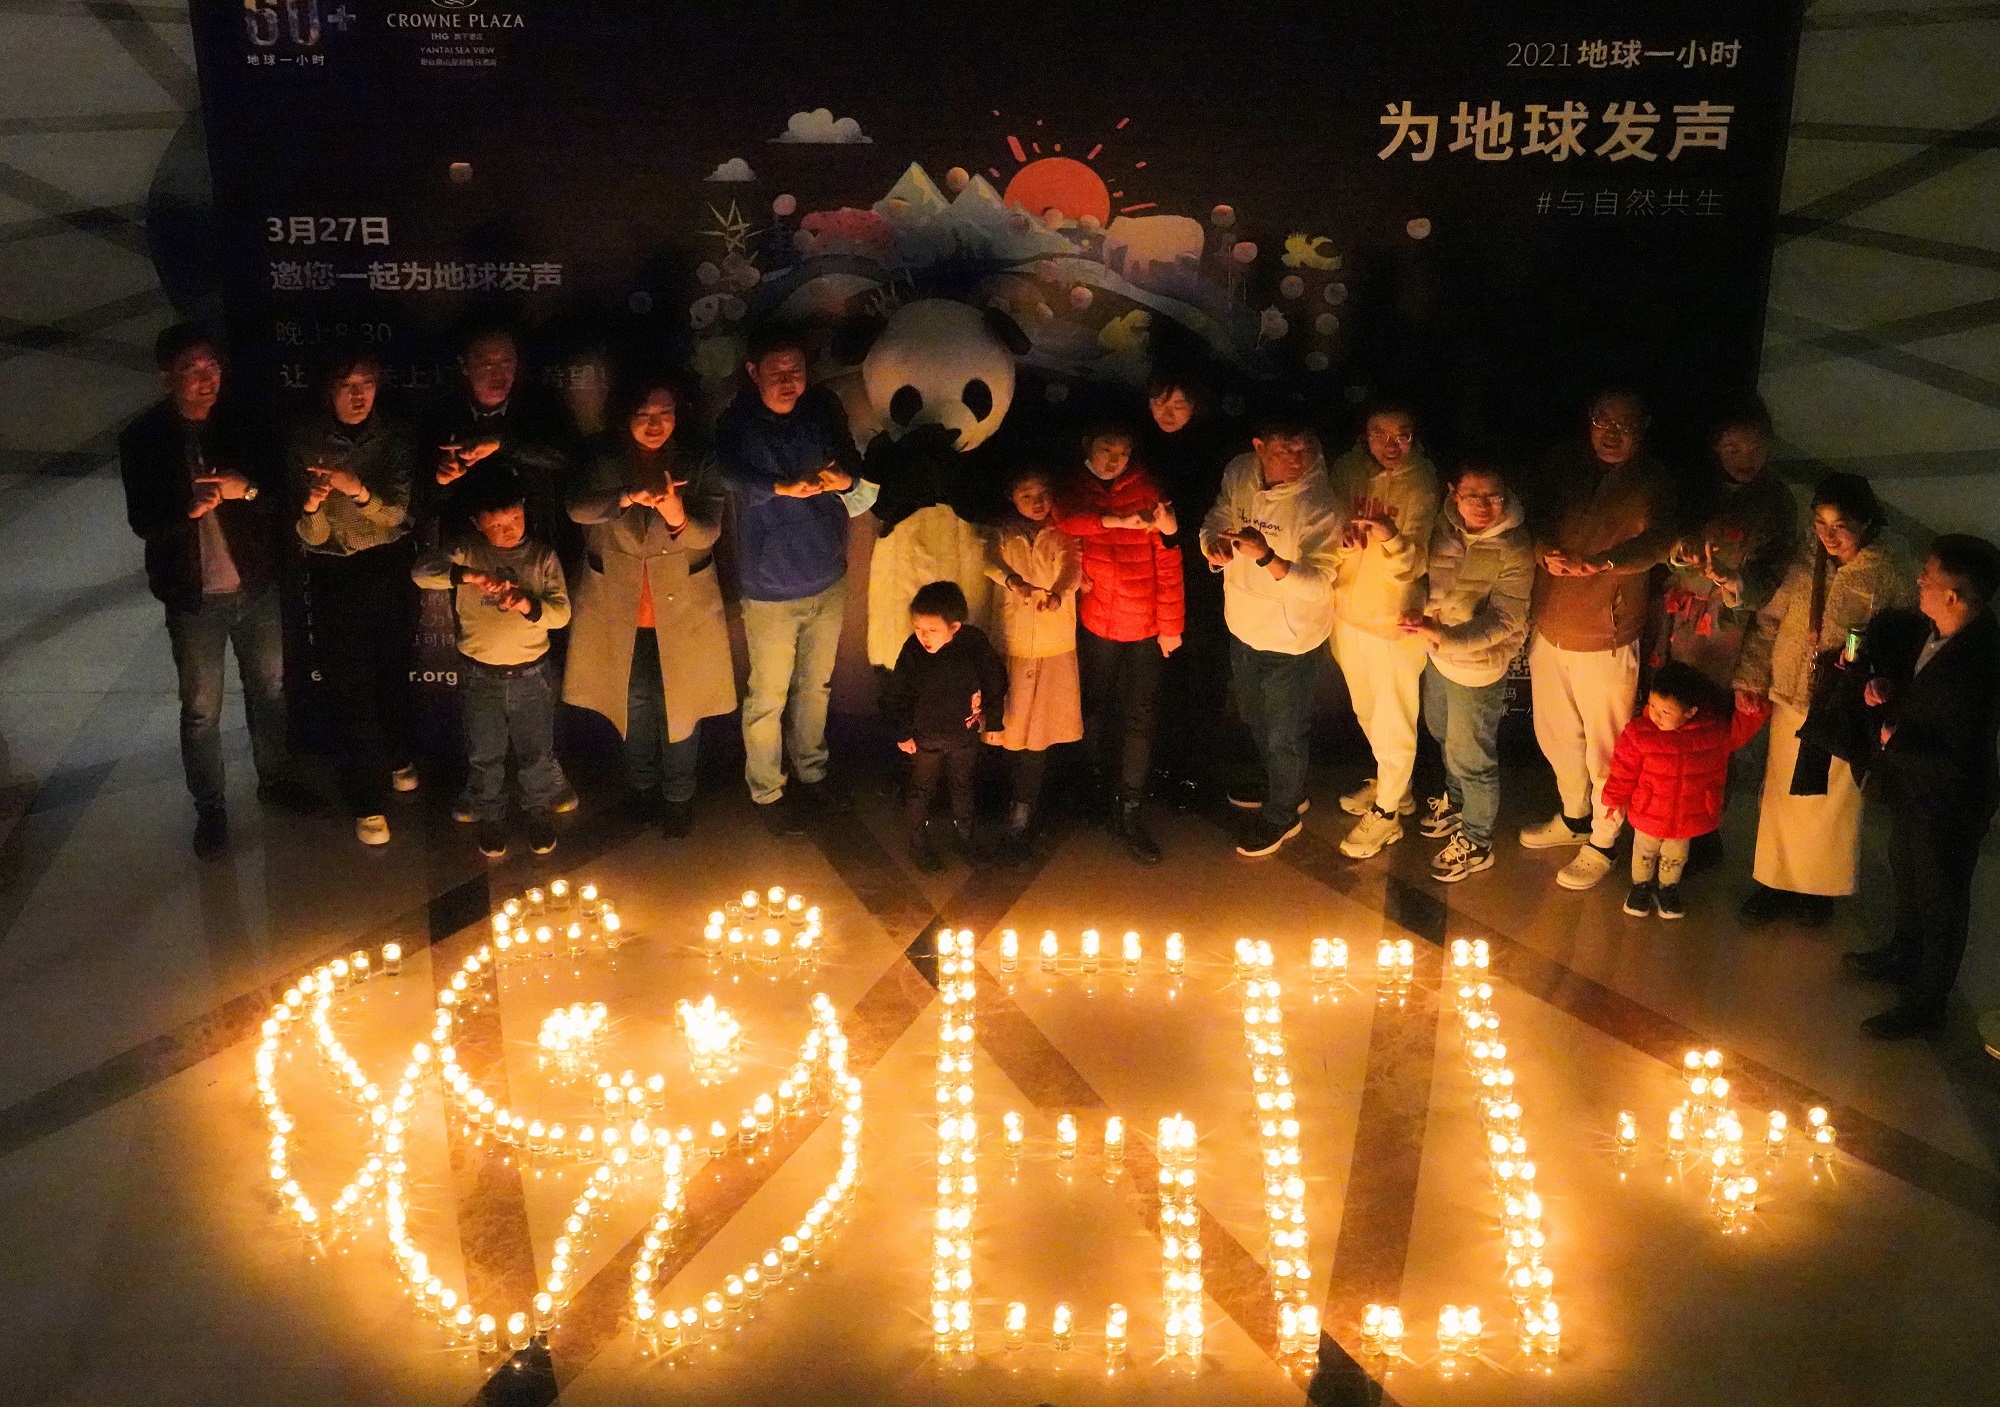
(1466, 724)
(200, 638)
(512, 704)
(651, 761)
(792, 646)
(1274, 693)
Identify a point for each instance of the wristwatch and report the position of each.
(1270, 556)
(249, 492)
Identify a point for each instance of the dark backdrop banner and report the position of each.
(1493, 207)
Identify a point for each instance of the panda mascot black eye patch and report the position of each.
(907, 404)
(978, 398)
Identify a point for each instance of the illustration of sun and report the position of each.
(1050, 183)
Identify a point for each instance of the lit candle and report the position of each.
(1010, 949)
(1131, 946)
(1015, 1132)
(1050, 951)
(1062, 1326)
(1066, 1136)
(1114, 1139)
(1017, 1324)
(1176, 954)
(1308, 1329)
(1392, 1329)
(1092, 948)
(1774, 1137)
(392, 958)
(1114, 1330)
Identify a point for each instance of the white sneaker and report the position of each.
(403, 779)
(1461, 859)
(1590, 866)
(1362, 800)
(372, 830)
(1370, 834)
(1551, 833)
(1441, 818)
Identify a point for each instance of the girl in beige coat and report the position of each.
(649, 648)
(1038, 567)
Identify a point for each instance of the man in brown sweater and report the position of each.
(1605, 519)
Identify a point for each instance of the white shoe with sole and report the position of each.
(404, 779)
(1370, 834)
(1587, 870)
(1361, 801)
(1554, 832)
(372, 830)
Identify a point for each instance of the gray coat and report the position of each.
(696, 674)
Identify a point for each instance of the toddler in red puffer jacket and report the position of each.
(1667, 775)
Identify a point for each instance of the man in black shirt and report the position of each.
(1937, 685)
(200, 491)
(495, 425)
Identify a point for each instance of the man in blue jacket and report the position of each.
(790, 465)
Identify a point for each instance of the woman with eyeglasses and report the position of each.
(1809, 826)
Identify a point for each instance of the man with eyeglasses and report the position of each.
(1604, 520)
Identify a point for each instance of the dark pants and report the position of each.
(514, 704)
(252, 626)
(1025, 771)
(651, 761)
(1196, 678)
(957, 764)
(1931, 859)
(1121, 686)
(1274, 693)
(363, 617)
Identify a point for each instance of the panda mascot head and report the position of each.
(938, 378)
(940, 363)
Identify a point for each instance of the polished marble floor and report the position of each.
(149, 1260)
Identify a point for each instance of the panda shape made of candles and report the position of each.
(939, 379)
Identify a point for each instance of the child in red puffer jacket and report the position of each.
(1667, 775)
(1131, 612)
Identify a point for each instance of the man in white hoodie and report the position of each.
(1482, 572)
(1272, 534)
(1387, 490)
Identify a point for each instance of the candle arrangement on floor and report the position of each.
(1708, 1147)
(766, 929)
(619, 1142)
(1530, 1282)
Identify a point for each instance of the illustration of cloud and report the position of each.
(821, 126)
(734, 169)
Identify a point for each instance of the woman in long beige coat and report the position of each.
(649, 648)
(1809, 844)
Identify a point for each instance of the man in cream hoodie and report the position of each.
(1387, 491)
(1272, 534)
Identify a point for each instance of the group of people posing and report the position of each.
(1146, 585)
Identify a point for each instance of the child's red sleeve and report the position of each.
(1747, 721)
(1618, 786)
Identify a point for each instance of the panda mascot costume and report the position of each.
(939, 378)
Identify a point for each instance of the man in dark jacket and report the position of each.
(1937, 685)
(791, 469)
(200, 490)
(495, 426)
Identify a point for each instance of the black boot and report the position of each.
(923, 850)
(961, 832)
(1132, 830)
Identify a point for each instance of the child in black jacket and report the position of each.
(946, 695)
